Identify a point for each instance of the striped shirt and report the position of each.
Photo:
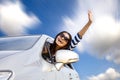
(75, 41)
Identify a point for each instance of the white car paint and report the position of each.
(28, 64)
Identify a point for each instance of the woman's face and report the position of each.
(62, 39)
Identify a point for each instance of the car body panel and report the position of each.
(28, 64)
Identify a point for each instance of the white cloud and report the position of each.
(114, 56)
(14, 20)
(110, 74)
(103, 37)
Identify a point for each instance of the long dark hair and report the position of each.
(53, 46)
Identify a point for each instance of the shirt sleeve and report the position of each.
(75, 41)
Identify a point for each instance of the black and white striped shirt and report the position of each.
(75, 41)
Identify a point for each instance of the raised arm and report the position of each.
(85, 28)
(79, 35)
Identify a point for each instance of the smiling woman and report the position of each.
(62, 41)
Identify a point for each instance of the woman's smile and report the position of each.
(61, 40)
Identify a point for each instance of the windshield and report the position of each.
(18, 43)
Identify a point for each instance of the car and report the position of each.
(21, 59)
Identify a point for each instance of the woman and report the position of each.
(62, 41)
(59, 43)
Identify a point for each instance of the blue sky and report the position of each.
(99, 50)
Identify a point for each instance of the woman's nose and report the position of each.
(62, 38)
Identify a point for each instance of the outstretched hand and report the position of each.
(90, 16)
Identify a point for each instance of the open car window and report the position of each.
(18, 43)
(47, 56)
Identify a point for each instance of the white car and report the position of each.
(21, 59)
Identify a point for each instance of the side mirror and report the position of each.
(65, 57)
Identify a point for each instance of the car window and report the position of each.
(46, 56)
(18, 43)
